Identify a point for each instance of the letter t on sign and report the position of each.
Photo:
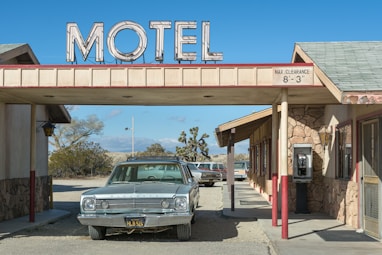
(160, 26)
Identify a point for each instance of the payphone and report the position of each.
(302, 162)
(302, 174)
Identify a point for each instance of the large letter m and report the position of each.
(73, 34)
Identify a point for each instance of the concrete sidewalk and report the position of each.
(10, 227)
(311, 234)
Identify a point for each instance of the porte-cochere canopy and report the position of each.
(157, 84)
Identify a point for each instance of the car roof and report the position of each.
(152, 160)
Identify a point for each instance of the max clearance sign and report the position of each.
(96, 37)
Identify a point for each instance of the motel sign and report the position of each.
(96, 36)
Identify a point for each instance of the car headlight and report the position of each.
(89, 203)
(165, 204)
(180, 203)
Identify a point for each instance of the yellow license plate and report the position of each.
(135, 222)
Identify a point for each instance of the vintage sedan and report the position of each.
(208, 178)
(143, 194)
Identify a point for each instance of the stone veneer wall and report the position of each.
(340, 200)
(336, 197)
(14, 197)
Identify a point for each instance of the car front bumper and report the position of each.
(240, 176)
(210, 180)
(119, 220)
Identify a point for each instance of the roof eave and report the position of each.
(300, 55)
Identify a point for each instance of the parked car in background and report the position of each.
(213, 166)
(241, 169)
(206, 177)
(143, 194)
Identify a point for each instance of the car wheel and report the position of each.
(183, 232)
(97, 233)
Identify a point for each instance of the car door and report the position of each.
(194, 187)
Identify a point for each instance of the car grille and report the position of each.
(133, 203)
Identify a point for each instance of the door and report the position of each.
(371, 179)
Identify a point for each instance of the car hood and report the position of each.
(134, 189)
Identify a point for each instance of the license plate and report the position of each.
(135, 222)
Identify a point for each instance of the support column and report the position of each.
(230, 168)
(275, 132)
(284, 163)
(32, 183)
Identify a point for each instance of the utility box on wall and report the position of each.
(302, 162)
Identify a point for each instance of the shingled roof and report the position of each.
(21, 53)
(17, 53)
(350, 66)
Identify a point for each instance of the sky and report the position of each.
(245, 31)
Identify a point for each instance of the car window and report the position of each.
(192, 166)
(122, 173)
(207, 166)
(187, 171)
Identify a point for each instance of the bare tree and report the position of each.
(67, 135)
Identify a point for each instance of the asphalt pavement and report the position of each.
(307, 233)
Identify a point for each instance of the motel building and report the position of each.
(315, 149)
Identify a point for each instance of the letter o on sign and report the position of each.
(130, 56)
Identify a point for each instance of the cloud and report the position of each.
(180, 119)
(113, 113)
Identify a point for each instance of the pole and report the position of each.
(230, 167)
(284, 163)
(32, 163)
(132, 136)
(275, 129)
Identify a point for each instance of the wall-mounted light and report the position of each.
(325, 135)
(48, 128)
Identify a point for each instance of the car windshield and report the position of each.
(239, 165)
(161, 172)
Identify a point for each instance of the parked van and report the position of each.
(241, 169)
(213, 166)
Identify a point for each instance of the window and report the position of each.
(257, 159)
(264, 157)
(344, 152)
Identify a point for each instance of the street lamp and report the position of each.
(132, 136)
